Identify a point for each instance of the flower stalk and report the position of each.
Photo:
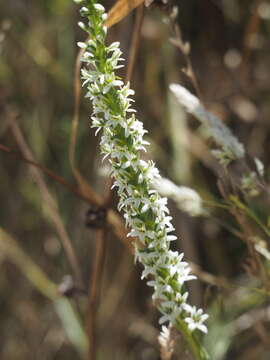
(145, 212)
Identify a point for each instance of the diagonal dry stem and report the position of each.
(50, 202)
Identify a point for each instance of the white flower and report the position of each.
(180, 302)
(99, 8)
(196, 319)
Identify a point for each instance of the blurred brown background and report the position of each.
(230, 56)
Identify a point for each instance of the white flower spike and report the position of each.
(145, 212)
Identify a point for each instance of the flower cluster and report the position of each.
(186, 199)
(145, 212)
(231, 148)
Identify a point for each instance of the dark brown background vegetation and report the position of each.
(230, 56)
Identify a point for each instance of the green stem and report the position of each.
(235, 200)
(197, 349)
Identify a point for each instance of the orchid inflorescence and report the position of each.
(145, 212)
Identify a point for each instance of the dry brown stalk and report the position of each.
(135, 42)
(50, 202)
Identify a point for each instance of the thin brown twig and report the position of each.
(77, 100)
(48, 172)
(94, 291)
(85, 188)
(255, 266)
(133, 50)
(96, 281)
(116, 289)
(184, 47)
(250, 30)
(53, 212)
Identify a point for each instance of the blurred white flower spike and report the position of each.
(145, 212)
(186, 199)
(221, 134)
